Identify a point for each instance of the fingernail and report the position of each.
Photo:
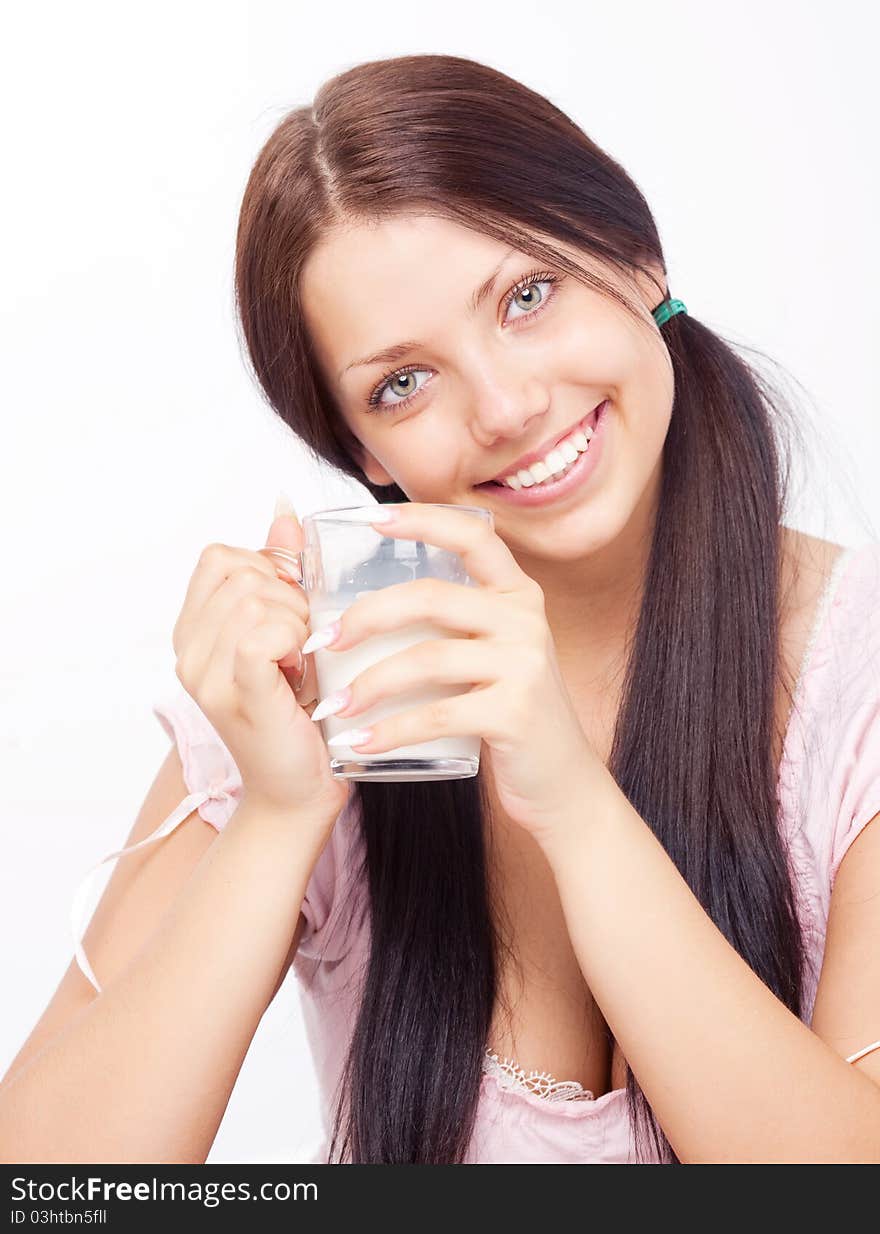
(367, 514)
(351, 737)
(284, 506)
(322, 638)
(332, 703)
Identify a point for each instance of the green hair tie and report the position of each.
(668, 309)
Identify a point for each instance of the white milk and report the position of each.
(336, 669)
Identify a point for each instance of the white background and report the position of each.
(133, 435)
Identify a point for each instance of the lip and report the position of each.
(527, 459)
(557, 490)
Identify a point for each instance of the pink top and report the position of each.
(829, 788)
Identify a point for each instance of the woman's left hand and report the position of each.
(517, 703)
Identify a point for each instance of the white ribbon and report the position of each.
(80, 898)
(853, 1058)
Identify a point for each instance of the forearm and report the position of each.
(730, 1072)
(145, 1071)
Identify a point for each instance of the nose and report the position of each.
(505, 408)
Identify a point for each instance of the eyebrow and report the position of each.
(390, 355)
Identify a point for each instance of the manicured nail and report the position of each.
(332, 703)
(351, 737)
(367, 514)
(322, 638)
(284, 506)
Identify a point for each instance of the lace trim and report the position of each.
(541, 1083)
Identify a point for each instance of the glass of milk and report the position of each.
(342, 558)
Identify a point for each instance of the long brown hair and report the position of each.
(693, 741)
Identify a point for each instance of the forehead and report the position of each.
(368, 286)
(401, 244)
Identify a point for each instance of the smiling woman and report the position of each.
(507, 371)
(433, 200)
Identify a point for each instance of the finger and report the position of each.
(249, 614)
(286, 530)
(307, 692)
(485, 556)
(287, 538)
(216, 613)
(216, 564)
(470, 610)
(459, 715)
(287, 567)
(435, 661)
(257, 653)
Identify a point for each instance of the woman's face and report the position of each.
(476, 390)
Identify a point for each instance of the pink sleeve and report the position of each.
(844, 699)
(209, 768)
(333, 892)
(860, 797)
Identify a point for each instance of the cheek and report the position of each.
(654, 405)
(434, 474)
(639, 378)
(423, 460)
(652, 429)
(645, 411)
(588, 351)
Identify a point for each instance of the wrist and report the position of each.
(309, 820)
(576, 823)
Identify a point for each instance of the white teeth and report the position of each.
(537, 474)
(556, 461)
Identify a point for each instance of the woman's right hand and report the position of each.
(238, 643)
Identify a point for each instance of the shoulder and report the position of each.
(833, 762)
(826, 589)
(811, 553)
(806, 567)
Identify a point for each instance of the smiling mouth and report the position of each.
(586, 420)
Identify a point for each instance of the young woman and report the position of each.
(643, 931)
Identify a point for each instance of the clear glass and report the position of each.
(340, 560)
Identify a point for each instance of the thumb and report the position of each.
(285, 531)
